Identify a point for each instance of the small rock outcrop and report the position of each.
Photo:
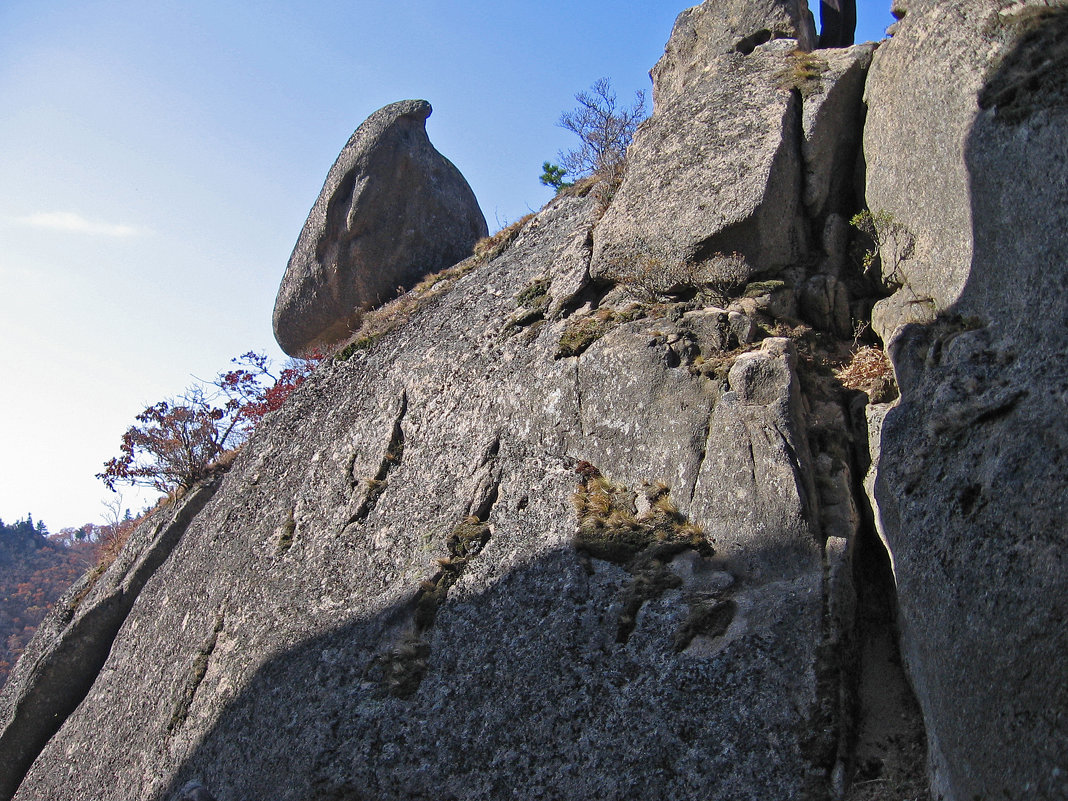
(392, 210)
(704, 33)
(715, 171)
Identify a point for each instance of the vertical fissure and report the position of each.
(400, 670)
(887, 748)
(391, 458)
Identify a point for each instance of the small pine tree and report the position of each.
(553, 175)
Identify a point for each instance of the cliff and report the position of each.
(599, 513)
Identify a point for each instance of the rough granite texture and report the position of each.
(391, 211)
(831, 123)
(397, 591)
(715, 171)
(320, 596)
(58, 667)
(970, 487)
(915, 136)
(749, 161)
(291, 604)
(717, 27)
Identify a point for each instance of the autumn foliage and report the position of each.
(257, 390)
(179, 442)
(173, 444)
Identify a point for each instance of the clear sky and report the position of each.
(158, 159)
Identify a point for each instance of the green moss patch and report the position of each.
(581, 332)
(403, 667)
(535, 295)
(758, 288)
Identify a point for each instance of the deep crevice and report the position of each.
(391, 457)
(883, 743)
(888, 747)
(400, 670)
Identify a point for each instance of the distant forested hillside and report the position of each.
(35, 569)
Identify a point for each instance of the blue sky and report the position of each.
(157, 161)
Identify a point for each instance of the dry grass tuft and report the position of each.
(582, 331)
(869, 371)
(581, 187)
(610, 528)
(490, 247)
(223, 462)
(377, 322)
(803, 73)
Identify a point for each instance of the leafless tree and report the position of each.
(604, 128)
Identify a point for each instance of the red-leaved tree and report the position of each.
(178, 442)
(173, 445)
(257, 390)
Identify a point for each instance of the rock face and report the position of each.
(535, 540)
(722, 167)
(567, 527)
(58, 668)
(970, 487)
(750, 150)
(392, 210)
(333, 594)
(909, 102)
(706, 32)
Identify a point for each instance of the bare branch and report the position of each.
(604, 130)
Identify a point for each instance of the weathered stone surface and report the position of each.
(56, 671)
(970, 484)
(915, 136)
(824, 302)
(391, 211)
(750, 155)
(831, 125)
(392, 582)
(288, 647)
(194, 791)
(715, 170)
(718, 27)
(760, 453)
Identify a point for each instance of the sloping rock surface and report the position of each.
(970, 487)
(553, 536)
(392, 655)
(391, 211)
(56, 672)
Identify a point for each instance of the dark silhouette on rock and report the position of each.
(838, 23)
(391, 211)
(194, 791)
(970, 486)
